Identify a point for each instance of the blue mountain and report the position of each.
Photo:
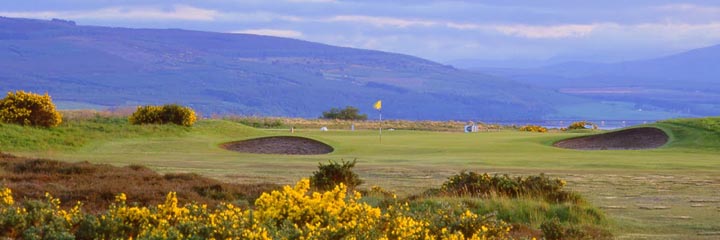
(687, 82)
(222, 73)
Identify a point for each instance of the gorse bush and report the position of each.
(533, 128)
(29, 109)
(329, 175)
(581, 125)
(483, 185)
(290, 213)
(170, 113)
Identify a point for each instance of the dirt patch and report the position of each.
(629, 139)
(280, 145)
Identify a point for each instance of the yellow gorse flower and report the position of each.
(292, 212)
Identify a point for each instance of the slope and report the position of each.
(220, 73)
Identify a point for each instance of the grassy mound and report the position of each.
(74, 133)
(693, 133)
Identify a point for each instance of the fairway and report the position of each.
(661, 193)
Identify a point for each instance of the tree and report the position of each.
(349, 113)
(29, 109)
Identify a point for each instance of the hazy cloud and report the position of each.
(312, 1)
(559, 31)
(381, 21)
(272, 32)
(689, 8)
(176, 12)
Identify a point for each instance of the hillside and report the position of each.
(685, 83)
(219, 73)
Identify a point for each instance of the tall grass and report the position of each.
(280, 122)
(97, 184)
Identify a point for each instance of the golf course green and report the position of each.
(663, 193)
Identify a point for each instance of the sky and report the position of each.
(487, 32)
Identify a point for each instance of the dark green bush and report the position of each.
(555, 230)
(349, 113)
(552, 230)
(170, 113)
(484, 185)
(334, 173)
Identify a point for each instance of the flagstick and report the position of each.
(380, 125)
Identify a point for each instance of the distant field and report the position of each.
(663, 193)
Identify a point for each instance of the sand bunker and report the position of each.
(280, 145)
(629, 139)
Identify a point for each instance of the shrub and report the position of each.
(29, 109)
(552, 230)
(349, 113)
(170, 113)
(581, 125)
(483, 185)
(290, 213)
(533, 128)
(555, 230)
(334, 173)
(258, 122)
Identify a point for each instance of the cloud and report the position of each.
(272, 32)
(312, 1)
(381, 21)
(517, 30)
(692, 8)
(680, 34)
(556, 31)
(176, 12)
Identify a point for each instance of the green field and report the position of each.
(667, 193)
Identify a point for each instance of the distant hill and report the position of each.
(687, 82)
(219, 73)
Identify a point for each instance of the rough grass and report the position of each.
(337, 124)
(73, 133)
(527, 213)
(693, 134)
(96, 185)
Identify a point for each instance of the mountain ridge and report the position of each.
(685, 82)
(223, 73)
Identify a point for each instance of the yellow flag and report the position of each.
(378, 105)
